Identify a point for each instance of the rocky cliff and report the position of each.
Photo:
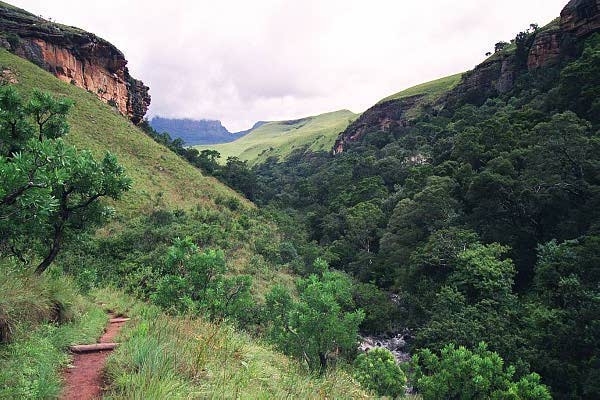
(538, 49)
(75, 56)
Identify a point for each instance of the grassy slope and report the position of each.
(181, 358)
(282, 137)
(159, 176)
(430, 90)
(98, 127)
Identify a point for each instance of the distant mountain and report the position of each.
(280, 138)
(198, 132)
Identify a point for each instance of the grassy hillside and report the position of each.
(169, 199)
(99, 127)
(183, 358)
(280, 138)
(430, 90)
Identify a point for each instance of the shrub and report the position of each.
(194, 281)
(460, 373)
(378, 371)
(29, 300)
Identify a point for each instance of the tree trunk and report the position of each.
(323, 362)
(58, 233)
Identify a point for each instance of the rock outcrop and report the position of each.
(543, 48)
(581, 17)
(381, 117)
(75, 56)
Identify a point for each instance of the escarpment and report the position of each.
(533, 50)
(75, 56)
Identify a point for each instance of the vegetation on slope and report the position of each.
(279, 139)
(482, 217)
(40, 317)
(180, 358)
(155, 171)
(221, 270)
(430, 91)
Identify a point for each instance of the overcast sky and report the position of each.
(243, 61)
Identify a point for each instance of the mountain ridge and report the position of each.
(198, 131)
(532, 50)
(279, 138)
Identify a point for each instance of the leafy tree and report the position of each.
(428, 269)
(207, 160)
(320, 323)
(413, 220)
(239, 176)
(477, 304)
(500, 46)
(194, 281)
(378, 371)
(564, 327)
(460, 373)
(47, 187)
(579, 89)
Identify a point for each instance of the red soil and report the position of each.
(83, 381)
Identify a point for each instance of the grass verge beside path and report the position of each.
(182, 358)
(32, 361)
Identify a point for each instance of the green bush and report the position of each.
(321, 324)
(378, 371)
(194, 281)
(460, 373)
(29, 300)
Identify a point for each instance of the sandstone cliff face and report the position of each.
(581, 17)
(497, 75)
(75, 56)
(381, 117)
(546, 50)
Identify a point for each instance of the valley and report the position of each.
(441, 244)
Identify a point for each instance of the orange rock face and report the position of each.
(545, 50)
(75, 56)
(89, 74)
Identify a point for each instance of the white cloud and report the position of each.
(242, 61)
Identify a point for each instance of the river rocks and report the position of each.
(395, 343)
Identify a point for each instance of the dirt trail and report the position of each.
(84, 380)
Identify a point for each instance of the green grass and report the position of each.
(99, 127)
(45, 316)
(429, 90)
(183, 358)
(279, 139)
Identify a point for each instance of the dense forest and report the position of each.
(481, 216)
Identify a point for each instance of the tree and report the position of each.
(500, 46)
(47, 187)
(195, 281)
(477, 304)
(378, 371)
(321, 322)
(460, 373)
(207, 160)
(564, 328)
(238, 175)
